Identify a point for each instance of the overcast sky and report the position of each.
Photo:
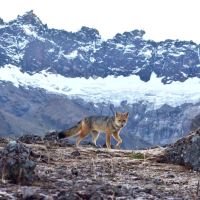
(161, 19)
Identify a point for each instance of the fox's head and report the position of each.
(121, 119)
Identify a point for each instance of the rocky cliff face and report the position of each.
(33, 48)
(29, 44)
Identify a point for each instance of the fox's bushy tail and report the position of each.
(70, 132)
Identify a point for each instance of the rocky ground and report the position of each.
(65, 172)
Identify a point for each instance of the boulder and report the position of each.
(186, 151)
(16, 164)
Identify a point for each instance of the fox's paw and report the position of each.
(117, 146)
(98, 146)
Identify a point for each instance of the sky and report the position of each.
(161, 19)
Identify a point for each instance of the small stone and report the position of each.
(74, 171)
(169, 175)
(75, 153)
(158, 181)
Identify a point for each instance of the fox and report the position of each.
(110, 125)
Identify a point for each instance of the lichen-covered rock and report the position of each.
(16, 164)
(185, 151)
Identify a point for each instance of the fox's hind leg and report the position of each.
(83, 133)
(80, 138)
(95, 135)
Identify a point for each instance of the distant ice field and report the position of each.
(110, 89)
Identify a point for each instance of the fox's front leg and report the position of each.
(108, 140)
(118, 139)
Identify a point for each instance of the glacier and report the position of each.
(108, 90)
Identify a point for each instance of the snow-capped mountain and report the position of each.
(157, 82)
(30, 45)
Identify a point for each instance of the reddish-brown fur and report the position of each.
(94, 124)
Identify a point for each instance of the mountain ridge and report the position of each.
(85, 54)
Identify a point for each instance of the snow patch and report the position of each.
(92, 59)
(146, 53)
(92, 46)
(29, 30)
(177, 54)
(51, 50)
(119, 46)
(72, 55)
(3, 26)
(109, 89)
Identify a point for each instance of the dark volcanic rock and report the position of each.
(185, 151)
(65, 143)
(51, 136)
(75, 153)
(30, 139)
(16, 165)
(52, 139)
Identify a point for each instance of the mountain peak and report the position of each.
(136, 33)
(129, 36)
(29, 18)
(1, 21)
(90, 33)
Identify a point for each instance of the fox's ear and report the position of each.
(126, 114)
(116, 114)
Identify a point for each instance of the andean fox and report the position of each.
(110, 125)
